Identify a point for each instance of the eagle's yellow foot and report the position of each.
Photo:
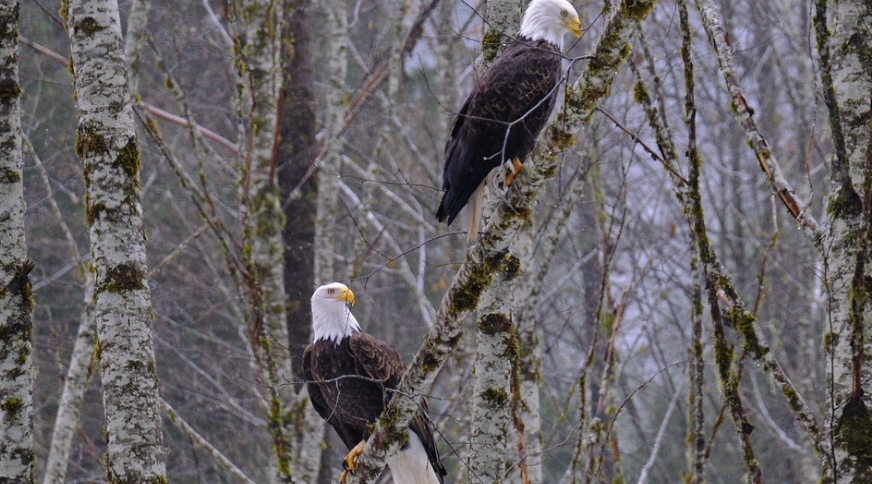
(349, 462)
(513, 171)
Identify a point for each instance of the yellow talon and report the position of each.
(350, 460)
(516, 168)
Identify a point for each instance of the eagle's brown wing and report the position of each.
(381, 361)
(516, 95)
(315, 395)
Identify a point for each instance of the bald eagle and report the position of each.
(350, 375)
(502, 117)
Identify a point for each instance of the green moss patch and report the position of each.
(122, 278)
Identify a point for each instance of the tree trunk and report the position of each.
(16, 299)
(496, 349)
(847, 251)
(296, 148)
(75, 384)
(496, 344)
(328, 169)
(106, 142)
(259, 69)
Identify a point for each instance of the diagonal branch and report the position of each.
(744, 114)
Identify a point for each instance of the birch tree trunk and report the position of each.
(259, 69)
(75, 384)
(81, 368)
(328, 198)
(106, 142)
(496, 345)
(16, 299)
(846, 245)
(496, 349)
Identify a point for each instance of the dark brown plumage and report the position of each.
(517, 94)
(349, 385)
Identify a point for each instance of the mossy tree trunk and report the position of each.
(846, 249)
(82, 360)
(106, 143)
(496, 345)
(257, 48)
(16, 301)
(496, 352)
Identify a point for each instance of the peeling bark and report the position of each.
(106, 142)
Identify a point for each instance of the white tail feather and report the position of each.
(476, 203)
(412, 466)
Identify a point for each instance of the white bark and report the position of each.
(496, 345)
(75, 384)
(502, 22)
(137, 36)
(846, 251)
(496, 349)
(658, 441)
(16, 300)
(106, 142)
(328, 199)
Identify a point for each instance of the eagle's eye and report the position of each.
(563, 13)
(331, 290)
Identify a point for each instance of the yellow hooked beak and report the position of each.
(346, 295)
(574, 26)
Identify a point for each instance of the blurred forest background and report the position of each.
(367, 103)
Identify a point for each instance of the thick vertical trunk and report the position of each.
(846, 254)
(328, 198)
(496, 349)
(106, 142)
(496, 345)
(16, 300)
(296, 147)
(259, 68)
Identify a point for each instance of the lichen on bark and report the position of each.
(846, 258)
(106, 142)
(258, 38)
(17, 454)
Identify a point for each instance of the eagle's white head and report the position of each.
(550, 20)
(331, 317)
